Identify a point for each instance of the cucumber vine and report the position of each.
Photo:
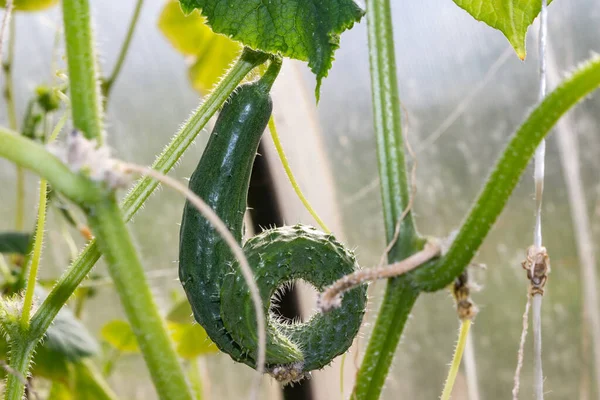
(218, 292)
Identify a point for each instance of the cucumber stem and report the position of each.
(268, 78)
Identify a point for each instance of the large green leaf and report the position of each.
(306, 30)
(190, 35)
(30, 5)
(511, 17)
(14, 242)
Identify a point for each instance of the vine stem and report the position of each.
(38, 243)
(505, 176)
(21, 353)
(37, 254)
(147, 324)
(108, 83)
(291, 177)
(400, 294)
(7, 66)
(35, 157)
(83, 76)
(458, 352)
(9, 20)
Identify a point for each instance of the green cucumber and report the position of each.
(209, 273)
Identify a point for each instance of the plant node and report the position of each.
(461, 291)
(537, 265)
(83, 155)
(289, 373)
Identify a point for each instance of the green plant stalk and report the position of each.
(463, 334)
(37, 254)
(35, 157)
(20, 199)
(291, 177)
(83, 77)
(147, 324)
(400, 295)
(21, 353)
(505, 176)
(7, 68)
(393, 313)
(11, 111)
(107, 84)
(196, 378)
(80, 268)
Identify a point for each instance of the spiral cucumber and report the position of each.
(209, 273)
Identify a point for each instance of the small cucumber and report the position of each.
(209, 273)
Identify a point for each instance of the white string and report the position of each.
(538, 375)
(540, 154)
(471, 369)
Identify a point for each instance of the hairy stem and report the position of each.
(505, 176)
(21, 353)
(107, 84)
(395, 194)
(37, 254)
(147, 324)
(35, 157)
(7, 66)
(291, 177)
(465, 325)
(384, 339)
(83, 75)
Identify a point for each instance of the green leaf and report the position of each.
(306, 30)
(67, 337)
(30, 5)
(191, 340)
(14, 242)
(89, 383)
(511, 17)
(118, 334)
(84, 382)
(50, 365)
(46, 363)
(190, 35)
